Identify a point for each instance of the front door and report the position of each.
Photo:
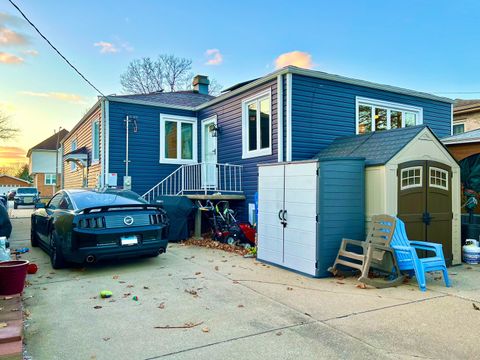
(425, 202)
(209, 153)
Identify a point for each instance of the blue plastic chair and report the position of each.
(408, 260)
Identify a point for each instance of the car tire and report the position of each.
(230, 240)
(56, 254)
(33, 236)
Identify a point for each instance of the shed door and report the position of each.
(425, 202)
(300, 233)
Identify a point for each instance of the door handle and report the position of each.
(426, 218)
(284, 215)
(280, 215)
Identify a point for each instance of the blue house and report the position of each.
(190, 143)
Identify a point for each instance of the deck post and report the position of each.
(197, 234)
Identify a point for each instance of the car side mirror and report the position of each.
(39, 205)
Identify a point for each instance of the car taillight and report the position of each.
(97, 222)
(156, 219)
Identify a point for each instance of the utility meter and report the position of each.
(127, 182)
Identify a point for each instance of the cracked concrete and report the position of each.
(251, 310)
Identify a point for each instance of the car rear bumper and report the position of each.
(96, 253)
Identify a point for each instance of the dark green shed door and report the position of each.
(425, 202)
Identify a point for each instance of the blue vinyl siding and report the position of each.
(229, 148)
(144, 145)
(323, 110)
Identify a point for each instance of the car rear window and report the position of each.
(88, 199)
(27, 191)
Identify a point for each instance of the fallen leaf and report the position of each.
(205, 329)
(146, 287)
(27, 313)
(184, 326)
(361, 286)
(198, 273)
(308, 314)
(44, 288)
(340, 282)
(115, 277)
(437, 278)
(8, 297)
(475, 306)
(3, 325)
(192, 292)
(161, 306)
(289, 288)
(130, 286)
(49, 277)
(216, 268)
(97, 307)
(278, 333)
(122, 282)
(106, 338)
(127, 295)
(240, 306)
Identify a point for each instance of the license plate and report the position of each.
(129, 240)
(28, 199)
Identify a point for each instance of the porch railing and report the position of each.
(203, 178)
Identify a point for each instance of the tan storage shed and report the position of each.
(410, 174)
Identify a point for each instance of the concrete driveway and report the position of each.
(244, 310)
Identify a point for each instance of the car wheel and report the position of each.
(247, 246)
(33, 236)
(56, 255)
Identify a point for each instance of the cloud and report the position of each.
(74, 98)
(11, 37)
(6, 58)
(106, 47)
(215, 57)
(30, 52)
(10, 19)
(295, 58)
(10, 155)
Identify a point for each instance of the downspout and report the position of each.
(106, 142)
(289, 117)
(280, 117)
(102, 166)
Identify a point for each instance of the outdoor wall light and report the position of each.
(214, 129)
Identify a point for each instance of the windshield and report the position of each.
(23, 191)
(87, 199)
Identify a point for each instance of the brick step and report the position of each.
(11, 351)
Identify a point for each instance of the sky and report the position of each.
(429, 46)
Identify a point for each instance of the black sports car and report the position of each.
(87, 225)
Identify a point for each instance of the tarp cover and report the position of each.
(470, 172)
(178, 209)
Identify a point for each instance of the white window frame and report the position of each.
(50, 176)
(95, 149)
(179, 120)
(442, 171)
(390, 106)
(246, 153)
(73, 147)
(412, 185)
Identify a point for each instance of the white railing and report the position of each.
(203, 178)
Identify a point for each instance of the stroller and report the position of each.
(225, 226)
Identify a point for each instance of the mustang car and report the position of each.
(88, 225)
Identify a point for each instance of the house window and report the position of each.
(458, 129)
(95, 141)
(50, 179)
(178, 139)
(439, 178)
(377, 115)
(73, 147)
(257, 125)
(411, 177)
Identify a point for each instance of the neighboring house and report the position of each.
(8, 183)
(44, 158)
(463, 145)
(189, 143)
(466, 116)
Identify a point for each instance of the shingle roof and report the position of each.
(466, 137)
(377, 147)
(50, 143)
(178, 98)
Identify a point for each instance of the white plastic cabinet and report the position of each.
(287, 215)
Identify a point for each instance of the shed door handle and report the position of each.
(280, 215)
(284, 215)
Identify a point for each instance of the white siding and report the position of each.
(43, 161)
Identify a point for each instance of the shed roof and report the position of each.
(377, 147)
(50, 143)
(188, 98)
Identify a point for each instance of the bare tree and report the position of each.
(215, 88)
(6, 131)
(167, 72)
